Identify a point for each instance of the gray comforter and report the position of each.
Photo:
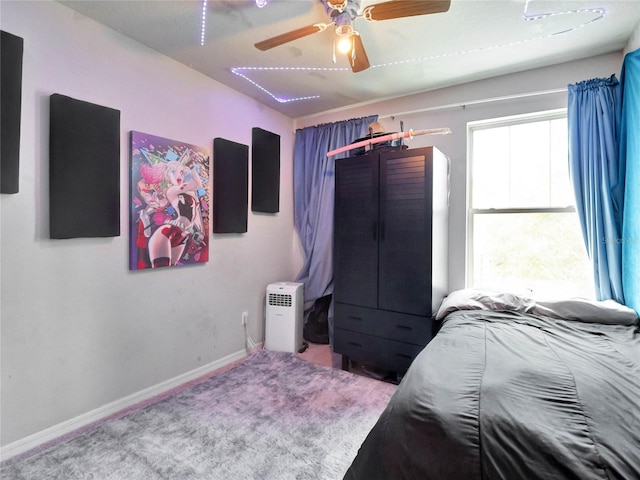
(506, 395)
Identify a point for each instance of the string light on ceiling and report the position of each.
(598, 12)
(203, 26)
(239, 71)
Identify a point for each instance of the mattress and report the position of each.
(523, 391)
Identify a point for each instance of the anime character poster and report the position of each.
(169, 210)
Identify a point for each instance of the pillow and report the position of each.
(474, 299)
(608, 312)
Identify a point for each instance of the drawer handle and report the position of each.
(403, 355)
(351, 317)
(404, 327)
(353, 344)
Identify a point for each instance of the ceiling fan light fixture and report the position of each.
(344, 25)
(344, 31)
(344, 45)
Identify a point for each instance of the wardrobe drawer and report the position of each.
(358, 319)
(375, 351)
(361, 347)
(398, 326)
(400, 355)
(408, 328)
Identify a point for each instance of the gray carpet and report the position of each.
(274, 416)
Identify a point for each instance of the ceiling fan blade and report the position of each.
(358, 58)
(290, 36)
(404, 8)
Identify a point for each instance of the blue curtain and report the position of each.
(313, 189)
(597, 178)
(630, 160)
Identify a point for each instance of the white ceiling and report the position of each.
(475, 39)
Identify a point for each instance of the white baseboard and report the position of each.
(69, 426)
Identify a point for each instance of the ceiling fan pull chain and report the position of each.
(353, 53)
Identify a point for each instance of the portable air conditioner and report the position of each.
(284, 317)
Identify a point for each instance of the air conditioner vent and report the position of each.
(280, 300)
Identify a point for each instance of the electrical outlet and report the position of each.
(245, 317)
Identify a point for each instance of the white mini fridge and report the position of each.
(284, 317)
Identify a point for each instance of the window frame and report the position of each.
(471, 212)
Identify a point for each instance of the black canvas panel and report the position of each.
(11, 51)
(230, 186)
(265, 171)
(84, 157)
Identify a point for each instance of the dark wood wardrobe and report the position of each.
(390, 254)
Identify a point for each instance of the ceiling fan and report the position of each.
(343, 14)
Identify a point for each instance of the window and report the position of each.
(524, 232)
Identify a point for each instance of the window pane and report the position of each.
(521, 166)
(490, 167)
(543, 252)
(529, 157)
(561, 190)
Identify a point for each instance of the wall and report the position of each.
(454, 107)
(79, 330)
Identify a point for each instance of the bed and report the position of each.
(513, 388)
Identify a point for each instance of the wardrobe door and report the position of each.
(405, 231)
(356, 231)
